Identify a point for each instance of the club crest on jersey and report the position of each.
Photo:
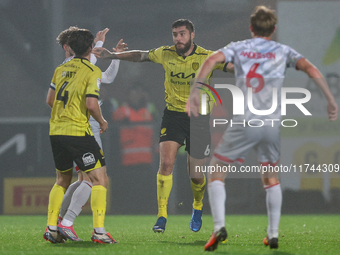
(88, 159)
(195, 66)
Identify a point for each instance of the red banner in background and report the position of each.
(30, 196)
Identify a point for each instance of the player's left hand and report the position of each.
(121, 46)
(332, 109)
(100, 36)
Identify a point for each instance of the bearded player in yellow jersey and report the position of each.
(181, 63)
(77, 84)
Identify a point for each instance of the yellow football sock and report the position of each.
(164, 186)
(98, 205)
(198, 190)
(54, 203)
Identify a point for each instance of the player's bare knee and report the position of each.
(64, 179)
(166, 166)
(99, 177)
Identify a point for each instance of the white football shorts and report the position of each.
(237, 141)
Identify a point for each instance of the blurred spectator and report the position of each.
(109, 104)
(136, 128)
(134, 123)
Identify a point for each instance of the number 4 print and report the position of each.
(63, 98)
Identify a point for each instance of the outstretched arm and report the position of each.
(314, 73)
(193, 102)
(133, 55)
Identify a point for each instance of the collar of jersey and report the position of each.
(192, 53)
(193, 50)
(81, 58)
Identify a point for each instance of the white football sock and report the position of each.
(273, 202)
(66, 223)
(79, 199)
(100, 230)
(67, 198)
(217, 198)
(53, 228)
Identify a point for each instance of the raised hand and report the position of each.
(121, 46)
(100, 36)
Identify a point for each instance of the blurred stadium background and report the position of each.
(29, 55)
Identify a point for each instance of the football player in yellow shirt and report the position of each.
(181, 63)
(81, 188)
(77, 84)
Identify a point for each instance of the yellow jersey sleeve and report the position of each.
(93, 85)
(221, 66)
(53, 82)
(156, 55)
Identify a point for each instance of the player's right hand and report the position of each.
(193, 103)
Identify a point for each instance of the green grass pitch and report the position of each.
(299, 234)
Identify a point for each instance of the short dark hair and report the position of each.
(81, 42)
(263, 21)
(64, 35)
(184, 22)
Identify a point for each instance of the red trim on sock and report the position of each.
(240, 160)
(88, 184)
(269, 163)
(270, 186)
(227, 160)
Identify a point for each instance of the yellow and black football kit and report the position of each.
(179, 71)
(73, 82)
(70, 132)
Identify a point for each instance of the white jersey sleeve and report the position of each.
(93, 58)
(111, 72)
(292, 57)
(228, 52)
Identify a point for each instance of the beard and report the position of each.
(182, 51)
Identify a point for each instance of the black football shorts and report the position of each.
(194, 132)
(83, 150)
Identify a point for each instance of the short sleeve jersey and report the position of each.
(260, 64)
(73, 82)
(179, 71)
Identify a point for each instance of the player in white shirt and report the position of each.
(266, 61)
(80, 190)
